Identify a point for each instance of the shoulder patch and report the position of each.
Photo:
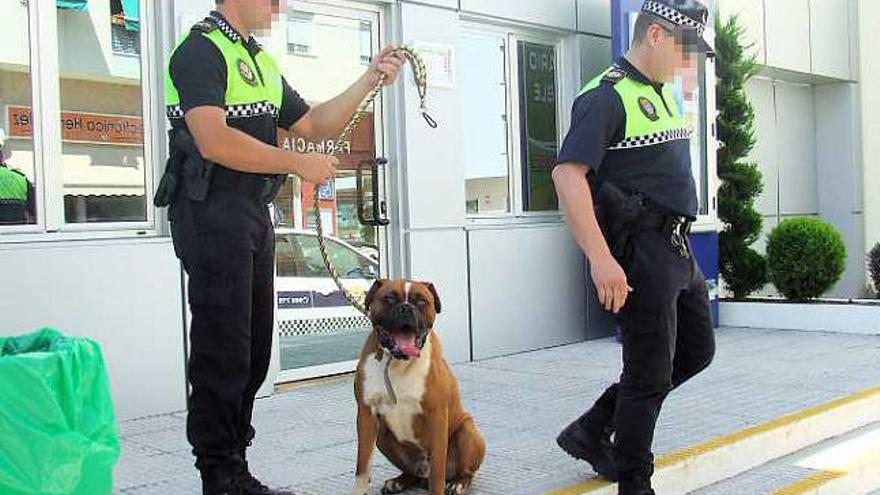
(204, 26)
(614, 76)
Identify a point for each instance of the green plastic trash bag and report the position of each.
(58, 432)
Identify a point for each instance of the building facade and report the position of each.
(470, 204)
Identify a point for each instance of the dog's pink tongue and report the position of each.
(407, 345)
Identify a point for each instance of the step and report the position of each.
(691, 468)
(852, 467)
(806, 469)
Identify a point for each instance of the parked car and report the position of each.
(309, 303)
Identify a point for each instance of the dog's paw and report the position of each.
(393, 486)
(423, 467)
(456, 487)
(362, 485)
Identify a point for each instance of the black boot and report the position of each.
(219, 482)
(247, 484)
(588, 439)
(636, 485)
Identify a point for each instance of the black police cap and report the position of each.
(690, 16)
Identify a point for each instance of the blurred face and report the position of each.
(259, 14)
(674, 52)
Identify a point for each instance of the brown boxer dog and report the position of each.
(408, 400)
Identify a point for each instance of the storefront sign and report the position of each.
(327, 190)
(80, 127)
(329, 147)
(294, 299)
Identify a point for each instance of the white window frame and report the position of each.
(512, 35)
(45, 81)
(709, 222)
(514, 102)
(503, 35)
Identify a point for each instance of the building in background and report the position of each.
(470, 204)
(815, 120)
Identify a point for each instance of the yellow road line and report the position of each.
(810, 483)
(688, 453)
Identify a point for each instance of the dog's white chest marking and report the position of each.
(408, 381)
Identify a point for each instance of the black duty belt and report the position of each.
(258, 187)
(675, 228)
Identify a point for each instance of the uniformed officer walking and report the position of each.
(17, 195)
(628, 135)
(226, 102)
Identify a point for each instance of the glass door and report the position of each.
(325, 48)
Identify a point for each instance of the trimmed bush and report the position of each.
(741, 267)
(874, 267)
(806, 257)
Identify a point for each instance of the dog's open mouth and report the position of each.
(405, 343)
(402, 343)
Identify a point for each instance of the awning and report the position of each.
(132, 10)
(72, 4)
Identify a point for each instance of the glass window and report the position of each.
(301, 34)
(341, 43)
(539, 132)
(102, 130)
(288, 256)
(691, 97)
(125, 27)
(366, 42)
(299, 255)
(18, 177)
(484, 123)
(348, 262)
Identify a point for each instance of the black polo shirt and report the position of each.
(198, 71)
(662, 172)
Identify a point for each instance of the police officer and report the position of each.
(226, 102)
(17, 195)
(628, 154)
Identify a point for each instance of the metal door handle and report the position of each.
(378, 218)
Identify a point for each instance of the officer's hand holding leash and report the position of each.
(316, 168)
(387, 62)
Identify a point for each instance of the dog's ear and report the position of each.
(371, 294)
(435, 294)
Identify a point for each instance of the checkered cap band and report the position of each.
(233, 111)
(651, 139)
(324, 326)
(672, 15)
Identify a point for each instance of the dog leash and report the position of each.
(388, 386)
(420, 76)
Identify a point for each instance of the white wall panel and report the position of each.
(594, 17)
(552, 13)
(527, 289)
(126, 295)
(434, 184)
(796, 150)
(788, 34)
(440, 257)
(449, 4)
(751, 17)
(760, 93)
(830, 38)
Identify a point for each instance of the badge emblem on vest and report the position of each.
(648, 109)
(246, 73)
